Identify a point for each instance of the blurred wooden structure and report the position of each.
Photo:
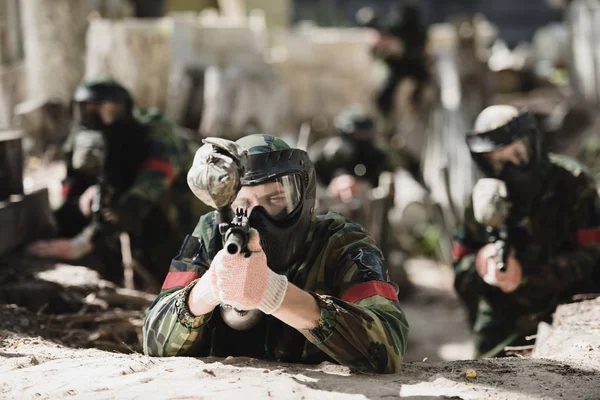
(11, 61)
(582, 17)
(23, 216)
(134, 51)
(54, 47)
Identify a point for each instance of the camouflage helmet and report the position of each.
(355, 120)
(270, 159)
(102, 88)
(499, 126)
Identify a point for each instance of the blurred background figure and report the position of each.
(401, 46)
(126, 172)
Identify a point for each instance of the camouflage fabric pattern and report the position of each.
(217, 171)
(361, 324)
(261, 143)
(556, 243)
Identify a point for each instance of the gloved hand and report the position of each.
(246, 282)
(507, 281)
(67, 249)
(206, 288)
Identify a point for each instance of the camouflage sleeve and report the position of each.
(170, 329)
(156, 173)
(579, 261)
(363, 326)
(469, 238)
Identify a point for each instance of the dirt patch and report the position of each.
(439, 329)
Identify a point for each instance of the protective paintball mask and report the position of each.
(279, 190)
(88, 116)
(512, 153)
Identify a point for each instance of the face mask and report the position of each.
(90, 119)
(523, 182)
(280, 240)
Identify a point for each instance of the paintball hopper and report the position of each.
(490, 204)
(215, 175)
(89, 152)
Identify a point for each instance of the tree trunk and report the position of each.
(54, 46)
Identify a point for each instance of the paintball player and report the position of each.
(135, 163)
(401, 46)
(548, 206)
(351, 162)
(315, 287)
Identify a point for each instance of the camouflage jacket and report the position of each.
(556, 243)
(142, 168)
(361, 323)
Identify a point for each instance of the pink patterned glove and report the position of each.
(207, 287)
(246, 282)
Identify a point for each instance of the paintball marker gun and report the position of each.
(491, 209)
(215, 178)
(89, 155)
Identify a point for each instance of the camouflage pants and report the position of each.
(493, 331)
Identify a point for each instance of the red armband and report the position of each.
(459, 251)
(588, 236)
(178, 278)
(368, 289)
(164, 167)
(66, 189)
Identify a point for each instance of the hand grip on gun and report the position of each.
(245, 281)
(486, 265)
(491, 209)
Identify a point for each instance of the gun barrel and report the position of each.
(235, 243)
(502, 252)
(501, 266)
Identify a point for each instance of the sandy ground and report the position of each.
(34, 368)
(438, 323)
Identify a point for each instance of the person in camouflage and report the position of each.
(552, 223)
(333, 299)
(353, 159)
(139, 160)
(401, 46)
